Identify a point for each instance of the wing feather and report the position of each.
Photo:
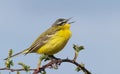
(42, 39)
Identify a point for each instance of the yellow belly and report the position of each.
(56, 43)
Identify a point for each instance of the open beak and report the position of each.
(69, 19)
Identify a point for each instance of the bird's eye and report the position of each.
(61, 22)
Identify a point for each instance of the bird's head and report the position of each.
(62, 23)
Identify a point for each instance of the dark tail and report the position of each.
(16, 54)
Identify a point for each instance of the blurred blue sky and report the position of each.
(97, 27)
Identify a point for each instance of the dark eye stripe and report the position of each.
(59, 22)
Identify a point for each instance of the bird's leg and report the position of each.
(53, 58)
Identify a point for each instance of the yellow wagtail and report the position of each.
(52, 40)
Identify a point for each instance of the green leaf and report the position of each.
(25, 67)
(78, 48)
(9, 63)
(22, 64)
(78, 69)
(10, 53)
(18, 72)
(43, 72)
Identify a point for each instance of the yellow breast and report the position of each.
(57, 42)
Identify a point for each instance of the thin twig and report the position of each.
(77, 64)
(12, 70)
(50, 64)
(59, 62)
(75, 56)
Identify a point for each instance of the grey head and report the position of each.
(60, 22)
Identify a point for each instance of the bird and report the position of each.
(51, 41)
